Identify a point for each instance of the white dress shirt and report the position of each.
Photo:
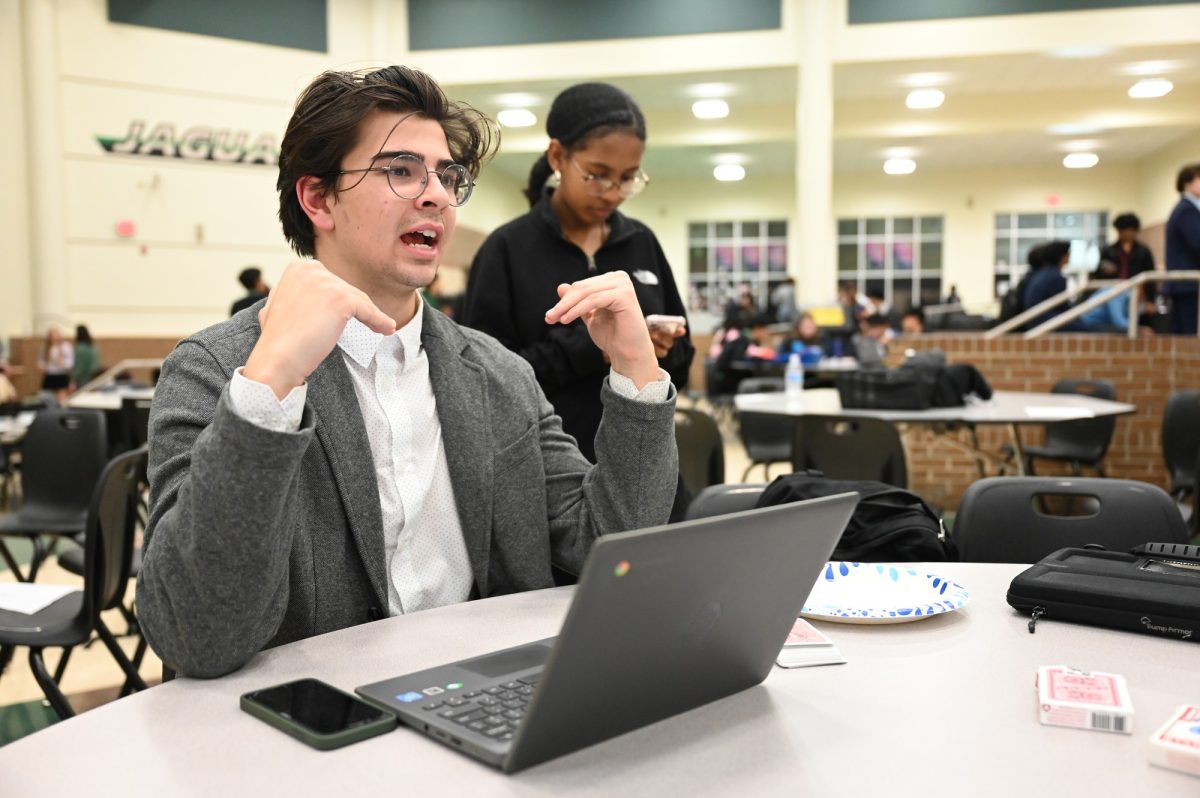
(425, 555)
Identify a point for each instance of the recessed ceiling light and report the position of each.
(711, 108)
(1080, 51)
(1081, 160)
(1150, 87)
(517, 117)
(899, 166)
(1075, 129)
(925, 99)
(729, 172)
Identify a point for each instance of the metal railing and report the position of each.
(1115, 288)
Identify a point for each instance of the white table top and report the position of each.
(942, 706)
(108, 399)
(1005, 407)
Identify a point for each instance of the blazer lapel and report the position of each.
(343, 436)
(460, 388)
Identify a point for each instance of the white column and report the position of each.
(43, 123)
(812, 245)
(16, 272)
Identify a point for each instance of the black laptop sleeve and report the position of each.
(1154, 590)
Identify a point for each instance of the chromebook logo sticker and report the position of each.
(622, 568)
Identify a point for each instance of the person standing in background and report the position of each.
(87, 357)
(1183, 250)
(1127, 257)
(574, 231)
(251, 278)
(56, 361)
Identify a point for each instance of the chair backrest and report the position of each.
(701, 450)
(109, 536)
(850, 448)
(724, 499)
(767, 438)
(1022, 519)
(1088, 437)
(62, 456)
(135, 421)
(1181, 438)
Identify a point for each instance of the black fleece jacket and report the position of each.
(514, 280)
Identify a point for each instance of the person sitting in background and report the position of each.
(805, 332)
(1045, 281)
(913, 322)
(783, 300)
(56, 361)
(1127, 257)
(1111, 317)
(747, 343)
(87, 357)
(871, 344)
(251, 278)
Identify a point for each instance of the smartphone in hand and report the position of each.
(317, 714)
(669, 323)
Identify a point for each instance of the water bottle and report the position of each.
(793, 378)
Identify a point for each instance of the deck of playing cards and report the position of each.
(805, 646)
(1084, 699)
(1177, 744)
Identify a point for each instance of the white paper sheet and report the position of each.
(29, 598)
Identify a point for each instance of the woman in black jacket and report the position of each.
(574, 231)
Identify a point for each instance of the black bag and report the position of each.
(882, 389)
(888, 525)
(1154, 590)
(1013, 302)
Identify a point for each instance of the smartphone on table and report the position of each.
(317, 714)
(669, 323)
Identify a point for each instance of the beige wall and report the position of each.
(16, 293)
(1156, 178)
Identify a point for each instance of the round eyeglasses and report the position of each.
(599, 186)
(408, 176)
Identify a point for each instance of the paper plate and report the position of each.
(854, 592)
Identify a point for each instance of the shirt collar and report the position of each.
(1195, 200)
(361, 343)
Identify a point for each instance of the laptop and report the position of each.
(663, 620)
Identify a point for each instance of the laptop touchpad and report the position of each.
(506, 662)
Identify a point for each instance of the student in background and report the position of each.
(256, 289)
(1046, 281)
(913, 322)
(56, 361)
(87, 357)
(1183, 250)
(574, 230)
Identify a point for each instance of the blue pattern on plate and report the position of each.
(954, 596)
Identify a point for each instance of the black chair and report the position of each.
(135, 422)
(1022, 519)
(767, 439)
(701, 450)
(1181, 444)
(724, 499)
(62, 456)
(1081, 442)
(70, 620)
(850, 448)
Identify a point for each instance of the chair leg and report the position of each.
(6, 655)
(1029, 466)
(749, 468)
(39, 554)
(62, 664)
(11, 562)
(53, 693)
(133, 678)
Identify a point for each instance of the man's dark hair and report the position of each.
(877, 320)
(325, 126)
(1127, 221)
(916, 313)
(250, 277)
(1053, 253)
(1186, 175)
(578, 115)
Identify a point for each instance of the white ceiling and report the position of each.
(1000, 111)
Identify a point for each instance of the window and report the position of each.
(726, 259)
(899, 257)
(1017, 233)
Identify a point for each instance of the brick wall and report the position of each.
(1145, 372)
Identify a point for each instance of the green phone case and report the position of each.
(322, 742)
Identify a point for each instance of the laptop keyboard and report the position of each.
(495, 712)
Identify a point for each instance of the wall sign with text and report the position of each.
(194, 144)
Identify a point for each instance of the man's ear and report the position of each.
(315, 201)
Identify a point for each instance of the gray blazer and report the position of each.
(258, 538)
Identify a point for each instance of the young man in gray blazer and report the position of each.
(340, 452)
